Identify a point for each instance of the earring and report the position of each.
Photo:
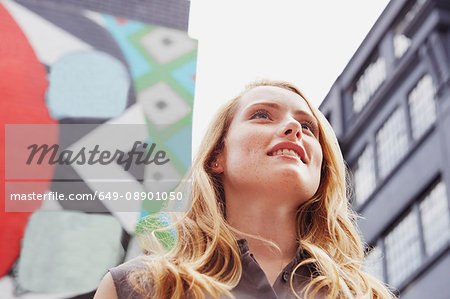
(216, 164)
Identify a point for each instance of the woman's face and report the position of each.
(272, 145)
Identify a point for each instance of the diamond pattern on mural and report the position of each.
(162, 63)
(165, 44)
(161, 178)
(163, 105)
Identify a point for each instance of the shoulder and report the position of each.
(115, 284)
(106, 289)
(121, 272)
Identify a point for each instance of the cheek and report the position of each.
(318, 158)
(245, 142)
(240, 151)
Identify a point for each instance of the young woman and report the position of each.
(270, 216)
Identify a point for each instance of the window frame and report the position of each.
(414, 207)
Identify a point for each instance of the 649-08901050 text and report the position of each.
(136, 195)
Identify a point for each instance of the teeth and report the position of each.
(286, 152)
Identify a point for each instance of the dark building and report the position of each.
(390, 109)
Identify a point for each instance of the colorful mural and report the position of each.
(64, 67)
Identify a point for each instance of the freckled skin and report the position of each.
(247, 167)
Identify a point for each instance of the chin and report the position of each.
(296, 176)
(295, 185)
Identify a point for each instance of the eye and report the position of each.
(260, 114)
(308, 125)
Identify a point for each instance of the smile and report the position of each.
(288, 149)
(285, 152)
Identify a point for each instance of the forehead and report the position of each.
(281, 96)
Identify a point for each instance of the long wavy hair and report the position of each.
(206, 259)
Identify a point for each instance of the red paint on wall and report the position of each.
(22, 88)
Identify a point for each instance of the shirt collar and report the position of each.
(243, 248)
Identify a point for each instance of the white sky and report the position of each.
(305, 42)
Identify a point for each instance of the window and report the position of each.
(400, 40)
(368, 83)
(422, 106)
(373, 263)
(403, 254)
(414, 241)
(435, 219)
(392, 142)
(401, 44)
(364, 176)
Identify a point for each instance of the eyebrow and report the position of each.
(277, 106)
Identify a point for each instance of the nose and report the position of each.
(292, 128)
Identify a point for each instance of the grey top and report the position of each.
(253, 283)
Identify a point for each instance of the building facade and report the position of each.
(390, 109)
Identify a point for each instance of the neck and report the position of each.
(272, 220)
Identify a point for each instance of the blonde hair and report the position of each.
(206, 257)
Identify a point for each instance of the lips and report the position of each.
(288, 149)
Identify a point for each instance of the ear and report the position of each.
(217, 165)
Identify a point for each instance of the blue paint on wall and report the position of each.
(185, 75)
(180, 145)
(87, 84)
